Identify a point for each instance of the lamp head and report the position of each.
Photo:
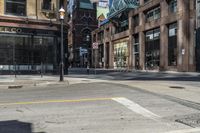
(62, 13)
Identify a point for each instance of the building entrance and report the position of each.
(121, 55)
(198, 50)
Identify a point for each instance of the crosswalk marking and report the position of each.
(137, 108)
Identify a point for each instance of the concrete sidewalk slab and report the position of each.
(29, 81)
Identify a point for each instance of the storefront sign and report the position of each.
(10, 30)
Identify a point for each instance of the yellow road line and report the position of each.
(56, 101)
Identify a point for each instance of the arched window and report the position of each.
(86, 34)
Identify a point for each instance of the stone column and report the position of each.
(163, 47)
(164, 38)
(31, 9)
(192, 66)
(111, 56)
(105, 54)
(130, 42)
(142, 50)
(142, 41)
(2, 7)
(183, 35)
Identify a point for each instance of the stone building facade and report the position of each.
(153, 35)
(30, 36)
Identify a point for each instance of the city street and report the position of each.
(100, 66)
(102, 103)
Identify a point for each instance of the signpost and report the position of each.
(95, 46)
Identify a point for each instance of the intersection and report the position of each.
(89, 103)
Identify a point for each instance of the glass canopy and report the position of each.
(119, 6)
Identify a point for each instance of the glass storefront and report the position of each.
(152, 49)
(172, 45)
(121, 55)
(27, 53)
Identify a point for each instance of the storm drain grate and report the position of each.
(177, 87)
(190, 120)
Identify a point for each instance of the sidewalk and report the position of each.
(19, 81)
(124, 70)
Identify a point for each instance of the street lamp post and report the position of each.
(62, 15)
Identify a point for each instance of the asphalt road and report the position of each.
(94, 107)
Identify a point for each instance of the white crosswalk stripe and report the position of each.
(137, 108)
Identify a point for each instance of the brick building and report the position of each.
(148, 35)
(82, 19)
(29, 36)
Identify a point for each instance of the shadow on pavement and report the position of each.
(150, 76)
(15, 126)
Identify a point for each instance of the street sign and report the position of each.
(95, 45)
(83, 51)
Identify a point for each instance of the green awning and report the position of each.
(119, 6)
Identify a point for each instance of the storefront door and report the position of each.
(152, 49)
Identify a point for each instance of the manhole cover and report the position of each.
(177, 87)
(190, 120)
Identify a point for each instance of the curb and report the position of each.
(33, 84)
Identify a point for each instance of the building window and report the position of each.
(121, 23)
(101, 55)
(146, 1)
(94, 38)
(16, 7)
(172, 45)
(136, 44)
(172, 5)
(153, 14)
(136, 50)
(136, 20)
(46, 5)
(101, 36)
(152, 49)
(138, 2)
(107, 32)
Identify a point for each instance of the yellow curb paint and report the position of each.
(56, 101)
